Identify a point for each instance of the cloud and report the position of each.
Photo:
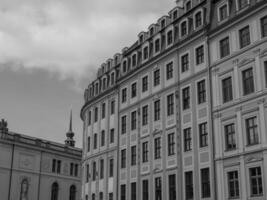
(71, 38)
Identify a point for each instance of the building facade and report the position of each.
(36, 169)
(169, 90)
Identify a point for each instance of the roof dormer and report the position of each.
(141, 37)
(109, 64)
(163, 22)
(117, 59)
(152, 29)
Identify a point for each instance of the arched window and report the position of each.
(72, 192)
(54, 191)
(24, 190)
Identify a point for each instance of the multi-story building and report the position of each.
(33, 168)
(172, 111)
(238, 63)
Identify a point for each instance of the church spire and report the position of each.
(70, 134)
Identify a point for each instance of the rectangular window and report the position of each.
(244, 37)
(223, 13)
(103, 110)
(185, 62)
(172, 187)
(252, 132)
(203, 135)
(224, 47)
(183, 29)
(95, 141)
(124, 95)
(133, 155)
(255, 181)
(87, 173)
(111, 137)
(157, 148)
(242, 4)
(205, 182)
(123, 124)
(171, 144)
(123, 158)
(265, 72)
(248, 81)
(101, 169)
(157, 45)
(133, 120)
(200, 55)
(145, 190)
(111, 167)
(145, 152)
(54, 164)
(157, 110)
(156, 77)
(186, 98)
(133, 191)
(230, 142)
(233, 184)
(187, 140)
(134, 60)
(103, 138)
(112, 107)
(134, 90)
(88, 144)
(96, 114)
(198, 19)
(145, 53)
(145, 84)
(123, 192)
(264, 26)
(169, 38)
(169, 70)
(158, 188)
(189, 191)
(89, 118)
(145, 115)
(94, 171)
(201, 89)
(110, 196)
(170, 105)
(227, 90)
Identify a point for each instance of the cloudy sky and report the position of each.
(50, 50)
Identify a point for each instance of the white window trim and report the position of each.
(238, 6)
(133, 66)
(180, 26)
(195, 55)
(186, 52)
(167, 31)
(202, 18)
(143, 59)
(154, 46)
(218, 11)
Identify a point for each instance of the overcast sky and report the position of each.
(50, 50)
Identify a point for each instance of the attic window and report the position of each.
(163, 23)
(175, 14)
(141, 38)
(188, 5)
(151, 31)
(124, 67)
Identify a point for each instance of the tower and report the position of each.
(70, 141)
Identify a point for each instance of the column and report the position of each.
(239, 132)
(236, 80)
(262, 122)
(243, 180)
(258, 73)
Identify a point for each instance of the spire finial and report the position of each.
(70, 128)
(69, 141)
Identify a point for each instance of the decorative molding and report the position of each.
(263, 52)
(239, 108)
(245, 61)
(261, 101)
(257, 52)
(236, 61)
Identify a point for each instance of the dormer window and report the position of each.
(141, 38)
(103, 69)
(145, 53)
(109, 65)
(96, 88)
(175, 15)
(198, 19)
(134, 59)
(223, 12)
(169, 38)
(116, 60)
(188, 5)
(157, 45)
(124, 66)
(151, 32)
(183, 28)
(242, 4)
(112, 78)
(104, 83)
(163, 23)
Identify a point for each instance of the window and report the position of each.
(201, 88)
(151, 31)
(203, 135)
(171, 144)
(185, 62)
(175, 14)
(112, 107)
(224, 47)
(133, 120)
(186, 98)
(172, 187)
(198, 19)
(56, 166)
(189, 191)
(157, 45)
(88, 144)
(205, 182)
(188, 5)
(255, 181)
(187, 140)
(110, 196)
(24, 187)
(111, 138)
(227, 90)
(96, 114)
(248, 81)
(158, 188)
(104, 84)
(124, 95)
(200, 55)
(93, 196)
(87, 173)
(89, 118)
(123, 124)
(169, 38)
(94, 171)
(169, 70)
(265, 72)
(54, 191)
(123, 158)
(145, 190)
(223, 12)
(156, 110)
(124, 66)
(157, 148)
(145, 115)
(183, 28)
(86, 197)
(101, 169)
(95, 141)
(123, 192)
(156, 77)
(144, 84)
(230, 142)
(145, 53)
(133, 90)
(71, 169)
(133, 155)
(233, 184)
(162, 23)
(134, 60)
(112, 78)
(264, 26)
(76, 170)
(145, 152)
(133, 191)
(170, 105)
(111, 167)
(102, 138)
(244, 37)
(103, 110)
(242, 4)
(100, 195)
(251, 129)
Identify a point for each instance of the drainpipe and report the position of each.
(11, 171)
(39, 180)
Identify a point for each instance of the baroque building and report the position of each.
(37, 169)
(180, 114)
